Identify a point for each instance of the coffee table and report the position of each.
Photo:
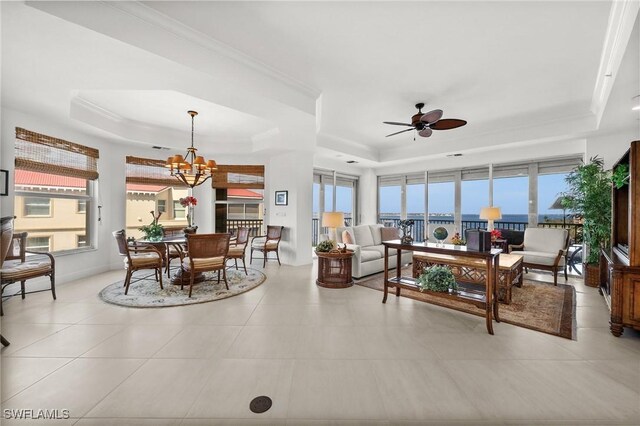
(472, 271)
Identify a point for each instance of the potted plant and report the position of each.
(437, 278)
(589, 198)
(325, 246)
(154, 231)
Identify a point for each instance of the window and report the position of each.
(42, 244)
(550, 189)
(390, 202)
(81, 241)
(149, 188)
(441, 202)
(53, 182)
(179, 212)
(475, 195)
(511, 194)
(37, 206)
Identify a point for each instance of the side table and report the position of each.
(334, 269)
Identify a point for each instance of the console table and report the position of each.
(486, 299)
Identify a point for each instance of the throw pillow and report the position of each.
(390, 233)
(347, 238)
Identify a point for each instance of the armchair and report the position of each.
(238, 247)
(207, 252)
(20, 264)
(544, 248)
(267, 243)
(137, 257)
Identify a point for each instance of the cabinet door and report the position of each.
(632, 297)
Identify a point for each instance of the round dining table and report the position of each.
(181, 277)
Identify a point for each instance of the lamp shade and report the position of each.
(332, 219)
(490, 213)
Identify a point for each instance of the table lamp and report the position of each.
(332, 220)
(490, 214)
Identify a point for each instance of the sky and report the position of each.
(510, 194)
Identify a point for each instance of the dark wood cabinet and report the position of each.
(620, 265)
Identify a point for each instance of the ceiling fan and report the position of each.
(425, 123)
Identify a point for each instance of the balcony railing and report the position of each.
(254, 225)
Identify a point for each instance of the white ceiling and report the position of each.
(518, 72)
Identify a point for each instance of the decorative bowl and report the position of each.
(440, 233)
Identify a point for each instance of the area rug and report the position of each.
(146, 293)
(536, 305)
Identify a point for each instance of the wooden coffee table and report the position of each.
(472, 271)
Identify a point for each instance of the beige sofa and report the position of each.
(368, 256)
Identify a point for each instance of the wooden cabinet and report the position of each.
(620, 265)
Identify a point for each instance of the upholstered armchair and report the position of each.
(138, 257)
(20, 264)
(267, 243)
(238, 247)
(544, 248)
(207, 252)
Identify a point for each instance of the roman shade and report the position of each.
(45, 154)
(239, 176)
(148, 171)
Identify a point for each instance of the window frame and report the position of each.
(25, 206)
(48, 237)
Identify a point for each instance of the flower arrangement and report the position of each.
(188, 201)
(154, 231)
(405, 226)
(495, 234)
(437, 278)
(457, 240)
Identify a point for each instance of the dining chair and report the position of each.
(207, 252)
(238, 247)
(20, 264)
(137, 257)
(267, 243)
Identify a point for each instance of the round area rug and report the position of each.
(146, 293)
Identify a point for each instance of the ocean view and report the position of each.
(474, 217)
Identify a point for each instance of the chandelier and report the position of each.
(192, 169)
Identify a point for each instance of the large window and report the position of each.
(332, 192)
(441, 201)
(53, 182)
(475, 195)
(390, 201)
(511, 194)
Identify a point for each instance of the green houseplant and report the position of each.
(154, 231)
(437, 278)
(589, 197)
(325, 246)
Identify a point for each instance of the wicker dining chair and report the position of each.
(138, 257)
(238, 247)
(207, 252)
(267, 243)
(20, 264)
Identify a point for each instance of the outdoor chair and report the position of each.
(267, 243)
(20, 264)
(238, 247)
(138, 257)
(544, 248)
(207, 252)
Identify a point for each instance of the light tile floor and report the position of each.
(325, 357)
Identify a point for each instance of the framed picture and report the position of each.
(282, 198)
(4, 182)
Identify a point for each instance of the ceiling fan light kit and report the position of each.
(425, 123)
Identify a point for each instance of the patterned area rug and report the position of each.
(146, 293)
(536, 305)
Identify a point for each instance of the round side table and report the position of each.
(334, 270)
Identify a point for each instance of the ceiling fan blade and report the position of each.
(426, 132)
(395, 123)
(401, 131)
(447, 123)
(431, 116)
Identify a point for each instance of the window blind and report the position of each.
(148, 171)
(45, 154)
(239, 176)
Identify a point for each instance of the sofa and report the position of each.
(368, 251)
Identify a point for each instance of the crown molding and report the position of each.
(622, 18)
(177, 28)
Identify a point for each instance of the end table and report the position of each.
(334, 269)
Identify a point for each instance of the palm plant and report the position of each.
(589, 197)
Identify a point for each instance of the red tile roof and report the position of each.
(27, 178)
(137, 187)
(242, 193)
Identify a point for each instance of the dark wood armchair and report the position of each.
(207, 252)
(267, 243)
(238, 247)
(20, 264)
(138, 257)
